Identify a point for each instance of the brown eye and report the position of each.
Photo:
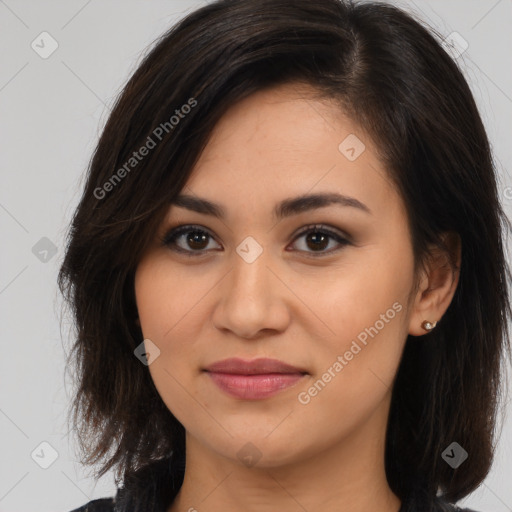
(194, 241)
(188, 239)
(317, 239)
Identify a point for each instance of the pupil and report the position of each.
(193, 238)
(317, 237)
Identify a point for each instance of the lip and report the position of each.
(260, 366)
(255, 379)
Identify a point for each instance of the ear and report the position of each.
(438, 282)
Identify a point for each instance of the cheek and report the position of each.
(364, 297)
(355, 369)
(366, 311)
(165, 306)
(166, 298)
(363, 354)
(170, 305)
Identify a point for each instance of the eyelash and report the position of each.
(170, 238)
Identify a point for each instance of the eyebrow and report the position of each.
(285, 208)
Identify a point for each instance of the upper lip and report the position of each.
(264, 365)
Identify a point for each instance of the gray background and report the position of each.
(52, 112)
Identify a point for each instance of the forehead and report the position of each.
(283, 142)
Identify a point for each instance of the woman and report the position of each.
(287, 269)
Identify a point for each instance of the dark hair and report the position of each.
(394, 79)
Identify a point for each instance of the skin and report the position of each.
(291, 304)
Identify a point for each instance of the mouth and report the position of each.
(255, 379)
(264, 365)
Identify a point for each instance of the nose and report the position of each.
(252, 299)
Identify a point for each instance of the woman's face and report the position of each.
(330, 301)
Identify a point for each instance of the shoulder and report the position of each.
(448, 507)
(150, 488)
(421, 500)
(100, 505)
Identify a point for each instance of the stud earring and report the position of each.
(428, 326)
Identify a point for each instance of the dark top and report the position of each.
(153, 489)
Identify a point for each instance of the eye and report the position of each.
(196, 239)
(318, 237)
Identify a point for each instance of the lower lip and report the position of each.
(254, 387)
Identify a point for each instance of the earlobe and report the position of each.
(439, 282)
(428, 326)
